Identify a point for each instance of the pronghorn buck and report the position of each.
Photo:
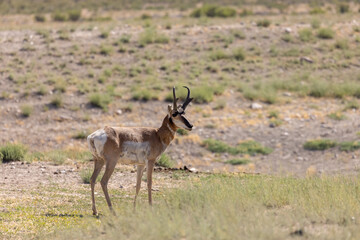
(139, 146)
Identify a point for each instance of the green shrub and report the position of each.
(74, 15)
(317, 10)
(337, 116)
(125, 38)
(57, 157)
(105, 50)
(252, 147)
(203, 94)
(315, 23)
(57, 101)
(225, 12)
(39, 18)
(325, 33)
(306, 35)
(1, 157)
(104, 34)
(145, 16)
(100, 100)
(263, 23)
(86, 174)
(13, 152)
(213, 11)
(319, 144)
(26, 110)
(350, 146)
(239, 54)
(59, 17)
(319, 89)
(81, 135)
(150, 35)
(343, 8)
(341, 44)
(218, 54)
(182, 132)
(144, 95)
(238, 161)
(165, 161)
(247, 147)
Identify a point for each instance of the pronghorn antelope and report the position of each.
(138, 146)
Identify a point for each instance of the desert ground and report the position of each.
(276, 94)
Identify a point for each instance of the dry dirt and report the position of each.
(303, 118)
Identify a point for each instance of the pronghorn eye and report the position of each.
(175, 114)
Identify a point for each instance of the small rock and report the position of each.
(12, 167)
(121, 186)
(256, 106)
(285, 134)
(119, 112)
(272, 125)
(300, 159)
(353, 156)
(287, 94)
(288, 30)
(194, 170)
(306, 59)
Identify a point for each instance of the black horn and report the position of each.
(175, 100)
(187, 100)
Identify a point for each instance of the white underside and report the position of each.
(135, 152)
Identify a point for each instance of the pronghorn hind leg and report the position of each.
(110, 167)
(98, 164)
(150, 168)
(140, 170)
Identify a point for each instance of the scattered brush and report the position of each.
(338, 116)
(238, 161)
(26, 110)
(165, 161)
(12, 152)
(247, 147)
(100, 100)
(319, 144)
(350, 146)
(86, 174)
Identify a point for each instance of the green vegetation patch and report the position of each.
(217, 200)
(350, 146)
(247, 147)
(319, 144)
(13, 152)
(337, 116)
(86, 174)
(325, 33)
(213, 11)
(150, 35)
(165, 161)
(100, 100)
(238, 161)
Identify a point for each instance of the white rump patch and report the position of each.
(135, 152)
(99, 138)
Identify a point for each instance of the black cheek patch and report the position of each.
(186, 122)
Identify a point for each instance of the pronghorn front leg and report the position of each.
(150, 169)
(140, 170)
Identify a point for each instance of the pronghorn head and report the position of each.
(176, 113)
